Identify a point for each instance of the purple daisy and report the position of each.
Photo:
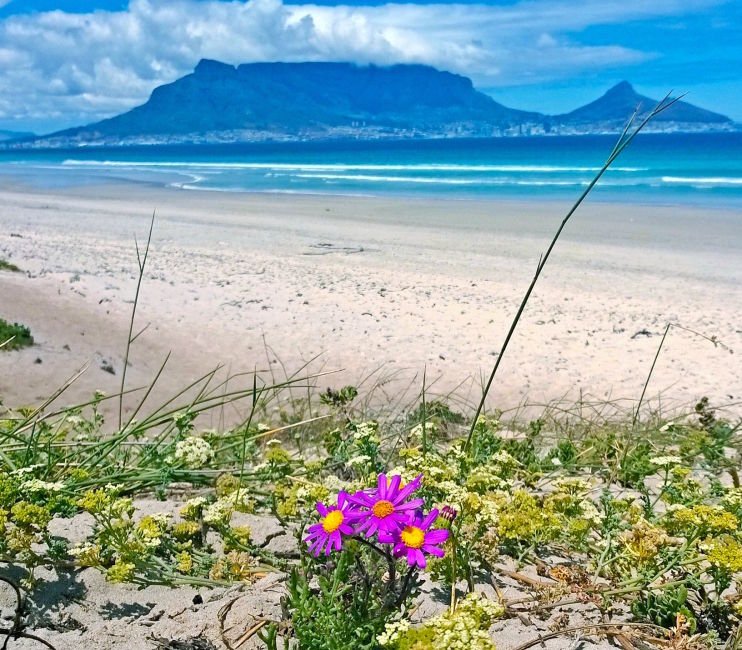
(335, 522)
(415, 539)
(387, 510)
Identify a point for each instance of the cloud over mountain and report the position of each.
(63, 68)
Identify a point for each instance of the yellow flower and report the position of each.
(184, 562)
(29, 515)
(701, 520)
(186, 531)
(725, 553)
(644, 541)
(121, 572)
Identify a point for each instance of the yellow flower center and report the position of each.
(413, 537)
(333, 521)
(382, 508)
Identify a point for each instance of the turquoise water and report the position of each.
(669, 168)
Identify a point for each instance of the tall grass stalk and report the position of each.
(625, 139)
(141, 263)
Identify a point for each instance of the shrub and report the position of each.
(17, 336)
(8, 266)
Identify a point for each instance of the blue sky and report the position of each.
(70, 62)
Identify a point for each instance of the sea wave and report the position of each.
(431, 180)
(329, 167)
(702, 180)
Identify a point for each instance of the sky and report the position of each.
(66, 63)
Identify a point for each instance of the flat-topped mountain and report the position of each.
(218, 102)
(308, 100)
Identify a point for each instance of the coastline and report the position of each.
(379, 288)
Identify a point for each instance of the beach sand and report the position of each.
(380, 290)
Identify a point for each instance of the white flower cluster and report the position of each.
(81, 549)
(220, 512)
(392, 631)
(504, 458)
(488, 514)
(462, 632)
(417, 431)
(335, 484)
(572, 485)
(366, 431)
(590, 513)
(361, 459)
(191, 509)
(193, 452)
(488, 477)
(454, 494)
(37, 485)
(666, 461)
(25, 470)
(732, 500)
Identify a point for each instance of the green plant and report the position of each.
(8, 266)
(14, 336)
(348, 607)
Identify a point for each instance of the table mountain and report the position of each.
(309, 99)
(218, 102)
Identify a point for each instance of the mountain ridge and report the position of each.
(15, 135)
(219, 102)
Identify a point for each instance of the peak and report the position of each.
(623, 87)
(210, 67)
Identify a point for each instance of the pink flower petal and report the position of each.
(410, 505)
(381, 486)
(432, 516)
(433, 550)
(409, 488)
(393, 488)
(436, 536)
(363, 499)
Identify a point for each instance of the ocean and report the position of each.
(702, 168)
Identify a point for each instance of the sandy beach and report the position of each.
(374, 292)
(380, 290)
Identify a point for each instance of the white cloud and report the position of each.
(74, 68)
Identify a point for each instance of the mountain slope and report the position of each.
(14, 135)
(618, 103)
